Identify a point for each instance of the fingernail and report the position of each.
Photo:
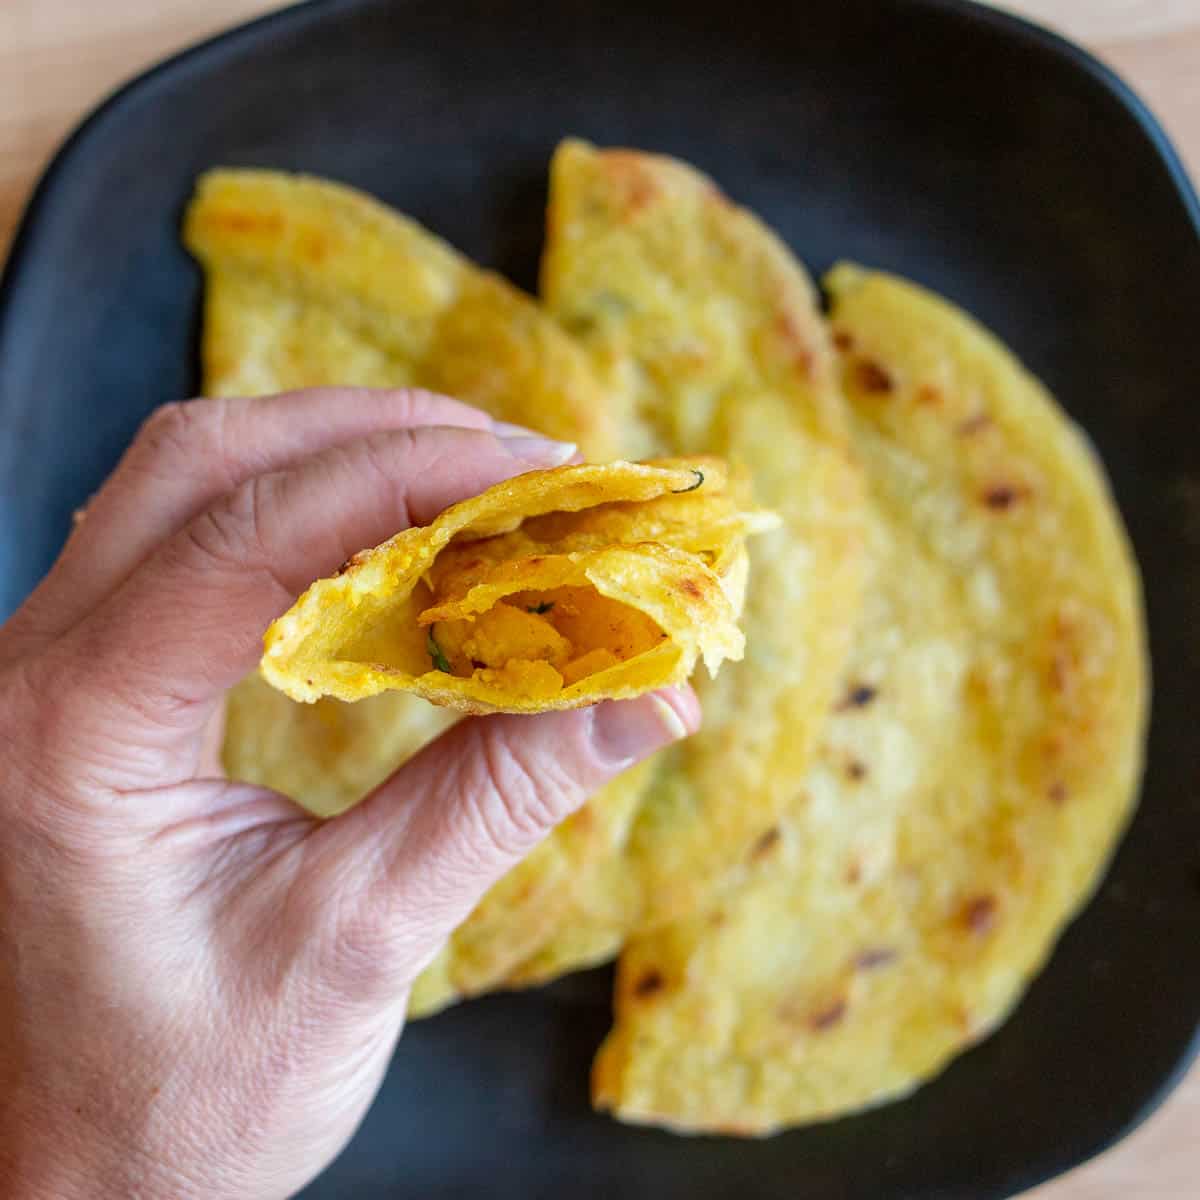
(626, 730)
(506, 429)
(538, 451)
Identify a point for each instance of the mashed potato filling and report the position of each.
(539, 641)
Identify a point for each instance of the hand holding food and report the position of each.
(203, 986)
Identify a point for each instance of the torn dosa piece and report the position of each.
(551, 590)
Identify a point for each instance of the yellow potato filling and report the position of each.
(537, 641)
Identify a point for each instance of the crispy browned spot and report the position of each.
(875, 956)
(651, 981)
(829, 1016)
(1054, 746)
(764, 844)
(853, 874)
(637, 185)
(1057, 792)
(641, 194)
(691, 587)
(1060, 672)
(843, 339)
(718, 197)
(976, 424)
(979, 914)
(352, 561)
(792, 334)
(872, 377)
(315, 247)
(244, 222)
(859, 696)
(928, 394)
(1000, 497)
(856, 770)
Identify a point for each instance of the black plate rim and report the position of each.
(21, 260)
(1005, 23)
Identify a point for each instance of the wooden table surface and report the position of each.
(58, 57)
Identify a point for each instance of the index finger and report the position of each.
(187, 455)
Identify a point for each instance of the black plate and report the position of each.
(963, 148)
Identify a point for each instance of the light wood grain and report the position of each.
(58, 57)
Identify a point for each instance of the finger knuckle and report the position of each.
(387, 458)
(387, 450)
(185, 437)
(420, 406)
(181, 430)
(232, 532)
(43, 725)
(517, 797)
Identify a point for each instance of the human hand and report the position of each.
(200, 986)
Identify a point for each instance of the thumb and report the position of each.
(421, 850)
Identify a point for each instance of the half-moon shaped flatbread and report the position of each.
(310, 283)
(979, 763)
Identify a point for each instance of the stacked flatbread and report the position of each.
(918, 769)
